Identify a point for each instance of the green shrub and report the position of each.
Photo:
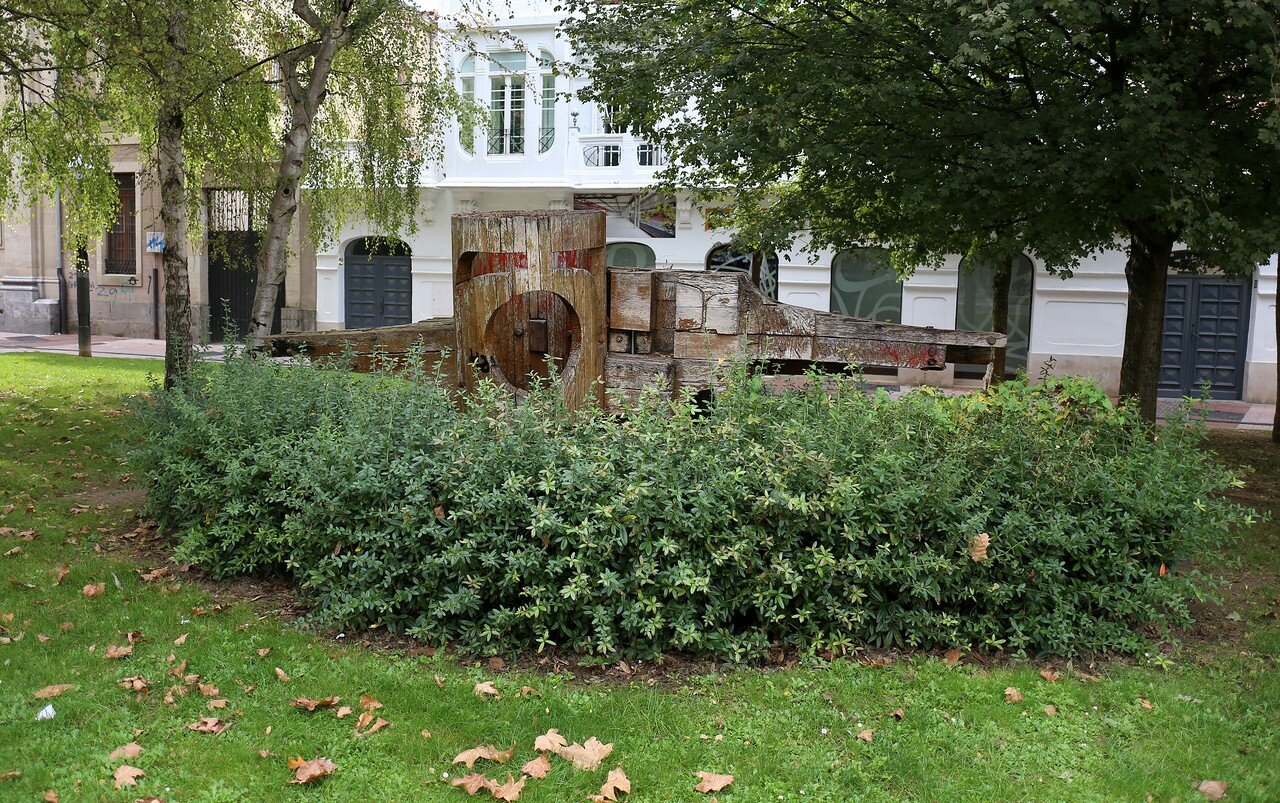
(825, 518)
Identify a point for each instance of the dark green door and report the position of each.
(379, 284)
(1206, 326)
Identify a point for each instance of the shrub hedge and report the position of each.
(825, 518)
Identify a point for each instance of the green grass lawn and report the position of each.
(785, 734)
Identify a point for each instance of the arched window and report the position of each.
(726, 257)
(629, 255)
(466, 127)
(974, 304)
(547, 129)
(506, 103)
(864, 286)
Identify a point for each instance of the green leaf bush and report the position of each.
(826, 518)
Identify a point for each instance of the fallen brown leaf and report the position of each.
(215, 705)
(95, 589)
(60, 574)
(497, 664)
(378, 724)
(51, 796)
(867, 735)
(1012, 695)
(978, 547)
(10, 775)
(952, 656)
(527, 691)
(281, 674)
(898, 713)
(1050, 675)
(264, 652)
(487, 689)
(180, 669)
(112, 652)
(710, 782)
(617, 783)
(135, 683)
(538, 767)
(586, 756)
(155, 574)
(344, 711)
(426, 734)
(509, 790)
(313, 770)
(264, 754)
(308, 704)
(369, 703)
(127, 776)
(209, 725)
(473, 783)
(439, 681)
(1051, 710)
(49, 692)
(1213, 790)
(1145, 703)
(551, 741)
(180, 640)
(485, 751)
(129, 751)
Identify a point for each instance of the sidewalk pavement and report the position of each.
(1221, 414)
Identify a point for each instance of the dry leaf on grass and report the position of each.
(528, 691)
(343, 711)
(1145, 703)
(538, 767)
(1012, 695)
(49, 692)
(95, 589)
(487, 689)
(10, 775)
(867, 735)
(313, 770)
(551, 741)
(473, 783)
(1050, 710)
(208, 689)
(369, 703)
(509, 790)
(179, 670)
(264, 652)
(214, 705)
(127, 776)
(306, 703)
(952, 656)
(209, 725)
(1213, 790)
(155, 574)
(60, 574)
(281, 674)
(710, 782)
(365, 719)
(586, 756)
(51, 796)
(898, 713)
(439, 681)
(617, 783)
(135, 683)
(114, 652)
(485, 751)
(978, 547)
(129, 751)
(1050, 675)
(180, 640)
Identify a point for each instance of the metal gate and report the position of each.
(379, 283)
(1206, 326)
(233, 247)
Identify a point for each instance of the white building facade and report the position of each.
(541, 148)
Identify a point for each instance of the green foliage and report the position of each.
(827, 518)
(984, 129)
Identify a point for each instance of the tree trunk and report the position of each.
(304, 100)
(1275, 425)
(1147, 274)
(1001, 279)
(171, 163)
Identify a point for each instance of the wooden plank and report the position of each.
(722, 313)
(831, 325)
(706, 345)
(780, 347)
(634, 372)
(690, 307)
(631, 300)
(924, 356)
(619, 342)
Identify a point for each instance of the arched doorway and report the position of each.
(864, 286)
(379, 283)
(726, 257)
(974, 305)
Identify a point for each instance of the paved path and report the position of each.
(1221, 414)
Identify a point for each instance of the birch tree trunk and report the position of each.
(172, 167)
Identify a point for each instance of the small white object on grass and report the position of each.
(46, 713)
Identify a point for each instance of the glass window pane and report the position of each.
(974, 305)
(468, 65)
(630, 255)
(864, 286)
(506, 62)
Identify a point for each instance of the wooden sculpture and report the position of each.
(531, 290)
